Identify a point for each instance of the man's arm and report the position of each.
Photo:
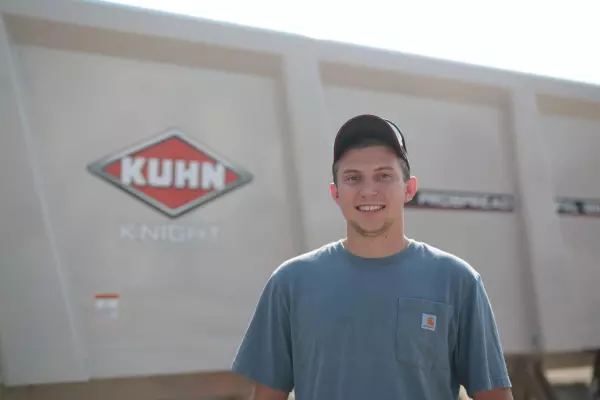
(262, 392)
(479, 358)
(265, 353)
(493, 394)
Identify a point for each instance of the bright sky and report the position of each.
(555, 38)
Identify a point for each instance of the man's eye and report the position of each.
(351, 178)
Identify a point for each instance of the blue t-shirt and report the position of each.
(414, 325)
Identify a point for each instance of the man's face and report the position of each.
(371, 191)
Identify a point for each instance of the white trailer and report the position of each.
(120, 279)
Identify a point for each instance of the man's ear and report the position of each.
(333, 191)
(411, 189)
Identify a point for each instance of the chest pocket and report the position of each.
(422, 333)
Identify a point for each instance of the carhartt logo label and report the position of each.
(428, 322)
(172, 173)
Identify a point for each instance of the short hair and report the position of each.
(371, 142)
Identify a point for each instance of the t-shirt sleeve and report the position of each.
(265, 353)
(479, 358)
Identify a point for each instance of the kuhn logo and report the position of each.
(172, 173)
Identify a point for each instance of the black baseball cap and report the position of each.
(369, 126)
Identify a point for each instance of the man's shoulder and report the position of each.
(449, 262)
(305, 262)
(452, 272)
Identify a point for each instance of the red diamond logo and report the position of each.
(172, 173)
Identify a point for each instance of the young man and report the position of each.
(377, 315)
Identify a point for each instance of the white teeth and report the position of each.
(370, 208)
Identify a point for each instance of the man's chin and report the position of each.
(370, 230)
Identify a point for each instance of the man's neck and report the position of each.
(382, 246)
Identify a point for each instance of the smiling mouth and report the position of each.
(370, 208)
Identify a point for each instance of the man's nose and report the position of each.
(369, 188)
